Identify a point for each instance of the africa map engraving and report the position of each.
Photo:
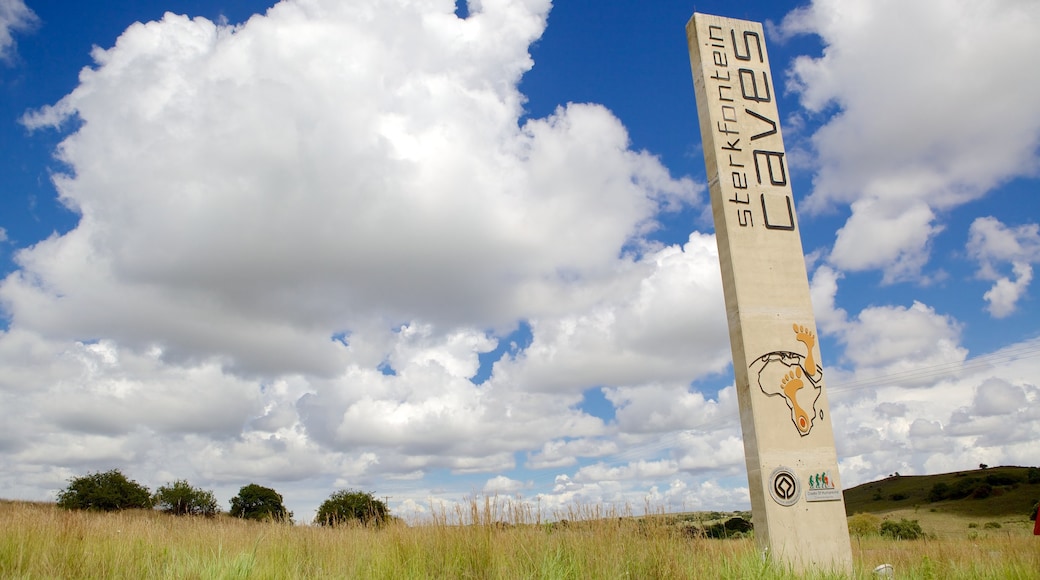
(795, 378)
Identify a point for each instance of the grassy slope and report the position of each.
(1008, 501)
(1008, 505)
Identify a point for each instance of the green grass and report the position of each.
(489, 540)
(880, 497)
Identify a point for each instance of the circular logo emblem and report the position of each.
(783, 486)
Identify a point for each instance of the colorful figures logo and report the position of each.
(820, 481)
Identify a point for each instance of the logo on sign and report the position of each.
(820, 481)
(783, 486)
(821, 488)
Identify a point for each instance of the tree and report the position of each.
(256, 502)
(348, 505)
(108, 491)
(180, 499)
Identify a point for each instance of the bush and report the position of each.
(181, 499)
(736, 527)
(1032, 514)
(963, 488)
(902, 530)
(348, 505)
(256, 502)
(939, 492)
(992, 525)
(864, 525)
(108, 491)
(982, 491)
(1001, 479)
(1033, 475)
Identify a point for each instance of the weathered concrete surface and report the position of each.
(796, 500)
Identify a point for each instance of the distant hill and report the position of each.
(978, 493)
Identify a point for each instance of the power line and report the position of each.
(1019, 352)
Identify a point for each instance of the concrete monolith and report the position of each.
(796, 499)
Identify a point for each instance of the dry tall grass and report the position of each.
(487, 539)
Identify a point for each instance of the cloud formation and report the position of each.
(15, 16)
(328, 248)
(907, 104)
(299, 234)
(992, 244)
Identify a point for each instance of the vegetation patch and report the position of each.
(256, 502)
(107, 491)
(351, 506)
(482, 540)
(181, 499)
(995, 491)
(864, 525)
(904, 529)
(736, 527)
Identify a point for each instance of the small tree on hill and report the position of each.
(108, 491)
(180, 499)
(256, 502)
(348, 505)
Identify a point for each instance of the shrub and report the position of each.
(963, 488)
(1032, 514)
(902, 530)
(899, 496)
(256, 502)
(348, 505)
(736, 527)
(108, 491)
(992, 525)
(1033, 475)
(864, 525)
(982, 491)
(1001, 479)
(939, 492)
(181, 499)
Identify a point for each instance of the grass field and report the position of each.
(41, 541)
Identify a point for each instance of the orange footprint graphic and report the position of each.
(806, 337)
(791, 383)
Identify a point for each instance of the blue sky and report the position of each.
(435, 252)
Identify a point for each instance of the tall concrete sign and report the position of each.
(796, 499)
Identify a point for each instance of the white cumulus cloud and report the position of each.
(908, 106)
(994, 245)
(299, 234)
(15, 16)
